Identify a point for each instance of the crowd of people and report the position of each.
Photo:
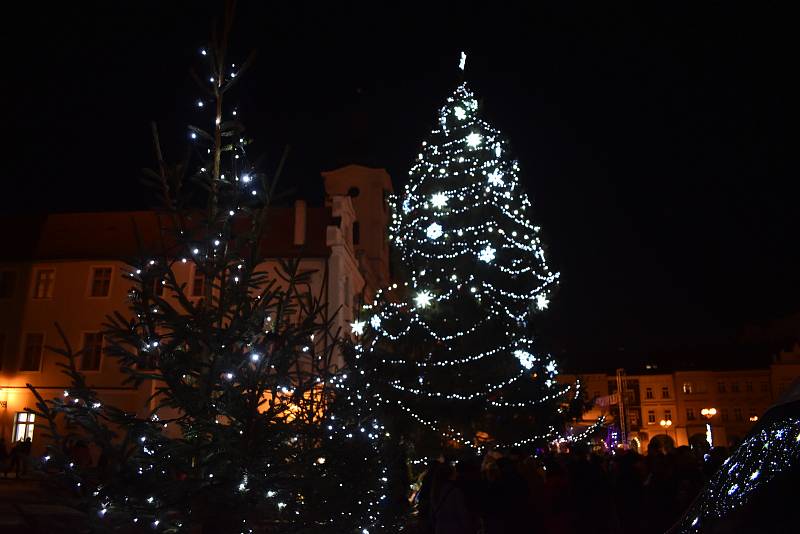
(17, 460)
(583, 490)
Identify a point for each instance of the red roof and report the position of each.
(113, 235)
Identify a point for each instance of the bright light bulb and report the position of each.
(375, 322)
(526, 359)
(460, 113)
(542, 302)
(496, 178)
(474, 139)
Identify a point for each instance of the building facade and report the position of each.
(687, 406)
(67, 269)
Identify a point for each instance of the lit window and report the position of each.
(92, 351)
(32, 355)
(101, 281)
(8, 280)
(651, 417)
(45, 280)
(665, 392)
(198, 283)
(23, 426)
(688, 388)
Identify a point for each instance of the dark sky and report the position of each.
(655, 144)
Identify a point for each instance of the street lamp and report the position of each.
(708, 413)
(665, 424)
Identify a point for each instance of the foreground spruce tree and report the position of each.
(455, 346)
(252, 426)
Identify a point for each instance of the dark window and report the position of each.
(764, 387)
(737, 414)
(198, 283)
(45, 280)
(101, 281)
(690, 414)
(668, 415)
(651, 417)
(92, 351)
(32, 355)
(748, 386)
(665, 393)
(8, 280)
(721, 387)
(724, 414)
(648, 393)
(356, 233)
(735, 387)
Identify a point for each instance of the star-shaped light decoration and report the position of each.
(358, 327)
(439, 200)
(550, 367)
(375, 322)
(487, 254)
(496, 178)
(434, 231)
(460, 113)
(423, 299)
(406, 206)
(474, 139)
(541, 301)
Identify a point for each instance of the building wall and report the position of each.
(740, 398)
(336, 278)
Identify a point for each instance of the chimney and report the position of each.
(299, 222)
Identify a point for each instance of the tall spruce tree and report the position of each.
(455, 344)
(251, 426)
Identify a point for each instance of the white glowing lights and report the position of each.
(462, 63)
(526, 359)
(460, 113)
(496, 178)
(439, 200)
(434, 231)
(474, 139)
(358, 327)
(423, 299)
(375, 322)
(487, 254)
(542, 302)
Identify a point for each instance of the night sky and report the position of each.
(655, 145)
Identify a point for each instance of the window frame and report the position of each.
(29, 425)
(648, 393)
(668, 415)
(90, 286)
(35, 289)
(690, 416)
(83, 346)
(24, 349)
(651, 417)
(665, 392)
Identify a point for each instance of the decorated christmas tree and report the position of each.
(252, 425)
(455, 343)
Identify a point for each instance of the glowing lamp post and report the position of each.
(665, 424)
(708, 413)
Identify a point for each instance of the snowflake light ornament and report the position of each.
(487, 254)
(474, 139)
(496, 178)
(439, 200)
(375, 322)
(460, 113)
(358, 327)
(423, 299)
(434, 231)
(542, 301)
(526, 359)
